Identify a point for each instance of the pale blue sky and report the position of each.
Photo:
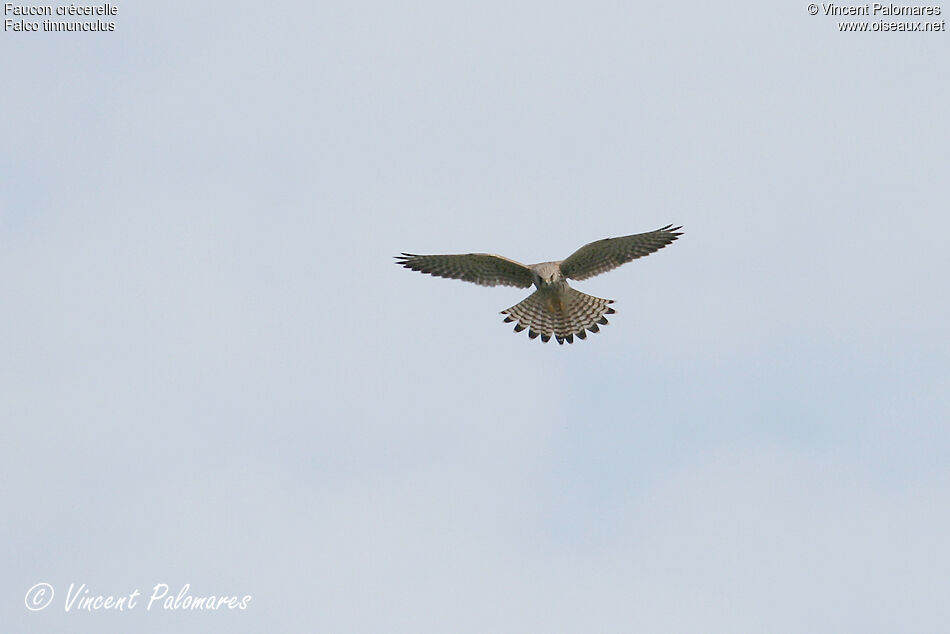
(212, 373)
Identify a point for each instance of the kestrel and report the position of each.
(555, 309)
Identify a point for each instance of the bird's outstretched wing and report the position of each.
(481, 268)
(601, 256)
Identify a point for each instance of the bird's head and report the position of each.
(547, 273)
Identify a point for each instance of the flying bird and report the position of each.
(555, 309)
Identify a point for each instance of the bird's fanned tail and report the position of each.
(561, 312)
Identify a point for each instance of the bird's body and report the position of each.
(554, 309)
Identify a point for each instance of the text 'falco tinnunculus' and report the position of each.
(555, 308)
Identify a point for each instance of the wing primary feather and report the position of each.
(603, 255)
(480, 268)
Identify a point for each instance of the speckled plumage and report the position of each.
(554, 309)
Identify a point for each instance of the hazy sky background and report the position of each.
(212, 373)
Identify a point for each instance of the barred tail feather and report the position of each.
(560, 312)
